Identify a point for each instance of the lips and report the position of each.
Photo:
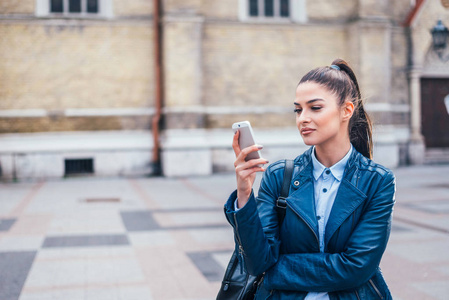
(307, 130)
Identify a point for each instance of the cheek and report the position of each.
(331, 119)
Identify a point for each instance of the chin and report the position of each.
(308, 141)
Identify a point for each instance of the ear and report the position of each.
(347, 110)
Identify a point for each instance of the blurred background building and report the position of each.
(116, 87)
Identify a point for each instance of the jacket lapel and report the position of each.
(302, 203)
(348, 198)
(302, 200)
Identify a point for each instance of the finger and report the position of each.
(243, 174)
(235, 143)
(244, 164)
(242, 157)
(250, 149)
(253, 162)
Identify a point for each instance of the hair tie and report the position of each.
(335, 67)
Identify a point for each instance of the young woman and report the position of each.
(339, 208)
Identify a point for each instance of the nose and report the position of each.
(303, 118)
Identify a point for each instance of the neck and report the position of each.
(329, 155)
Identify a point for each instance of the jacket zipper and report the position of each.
(240, 244)
(376, 289)
(310, 227)
(357, 294)
(269, 296)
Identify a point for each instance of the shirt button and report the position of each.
(324, 190)
(318, 217)
(328, 172)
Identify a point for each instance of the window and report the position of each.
(273, 10)
(285, 10)
(92, 6)
(56, 6)
(269, 8)
(74, 8)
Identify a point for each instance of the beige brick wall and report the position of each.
(374, 74)
(369, 8)
(133, 7)
(183, 6)
(182, 63)
(267, 121)
(400, 10)
(389, 118)
(75, 65)
(399, 49)
(17, 6)
(250, 65)
(46, 124)
(223, 9)
(331, 10)
(215, 61)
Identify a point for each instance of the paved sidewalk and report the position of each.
(163, 239)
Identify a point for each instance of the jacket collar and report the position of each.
(305, 165)
(337, 169)
(348, 197)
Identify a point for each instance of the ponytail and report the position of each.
(360, 125)
(340, 79)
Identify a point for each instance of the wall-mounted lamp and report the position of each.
(440, 34)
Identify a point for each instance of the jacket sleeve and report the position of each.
(326, 272)
(256, 225)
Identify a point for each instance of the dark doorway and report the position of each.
(435, 116)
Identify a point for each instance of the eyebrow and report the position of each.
(310, 101)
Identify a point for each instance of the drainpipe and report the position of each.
(156, 120)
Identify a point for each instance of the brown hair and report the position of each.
(340, 79)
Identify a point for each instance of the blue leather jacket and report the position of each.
(356, 233)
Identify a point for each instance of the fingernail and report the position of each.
(235, 132)
(267, 162)
(260, 147)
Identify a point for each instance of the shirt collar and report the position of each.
(337, 169)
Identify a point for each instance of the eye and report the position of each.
(316, 107)
(297, 110)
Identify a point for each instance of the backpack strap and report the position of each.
(281, 204)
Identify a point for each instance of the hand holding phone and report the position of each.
(246, 138)
(248, 160)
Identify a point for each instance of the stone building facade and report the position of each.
(78, 79)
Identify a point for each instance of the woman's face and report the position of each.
(319, 118)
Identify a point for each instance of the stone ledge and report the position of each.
(76, 141)
(184, 152)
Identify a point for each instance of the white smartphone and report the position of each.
(246, 138)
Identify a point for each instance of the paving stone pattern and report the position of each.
(168, 238)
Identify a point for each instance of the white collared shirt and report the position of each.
(325, 185)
